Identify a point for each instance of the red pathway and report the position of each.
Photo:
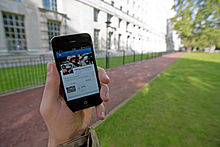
(20, 120)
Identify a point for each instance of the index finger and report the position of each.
(103, 77)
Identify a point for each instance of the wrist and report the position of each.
(52, 142)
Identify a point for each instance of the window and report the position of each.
(127, 42)
(119, 41)
(47, 4)
(53, 30)
(96, 38)
(119, 22)
(96, 13)
(112, 3)
(50, 4)
(54, 5)
(14, 31)
(109, 17)
(127, 25)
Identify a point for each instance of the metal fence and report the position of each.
(20, 73)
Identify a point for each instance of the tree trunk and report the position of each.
(194, 49)
(189, 49)
(212, 49)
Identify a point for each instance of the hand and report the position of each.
(61, 122)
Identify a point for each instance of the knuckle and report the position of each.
(99, 68)
(44, 111)
(106, 87)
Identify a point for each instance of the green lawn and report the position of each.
(181, 107)
(24, 76)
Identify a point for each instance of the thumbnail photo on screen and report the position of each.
(75, 61)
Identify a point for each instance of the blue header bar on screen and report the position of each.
(75, 52)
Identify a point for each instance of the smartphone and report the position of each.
(75, 62)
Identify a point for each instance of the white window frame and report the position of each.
(96, 38)
(14, 28)
(53, 29)
(52, 4)
(96, 14)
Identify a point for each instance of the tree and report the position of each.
(197, 22)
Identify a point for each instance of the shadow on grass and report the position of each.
(179, 108)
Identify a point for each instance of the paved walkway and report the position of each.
(22, 125)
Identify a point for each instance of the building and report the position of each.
(26, 26)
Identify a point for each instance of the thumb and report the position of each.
(51, 90)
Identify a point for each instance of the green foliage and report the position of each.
(198, 22)
(180, 108)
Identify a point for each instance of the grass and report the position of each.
(24, 76)
(181, 107)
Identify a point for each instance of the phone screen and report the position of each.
(77, 70)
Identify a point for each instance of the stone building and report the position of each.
(26, 26)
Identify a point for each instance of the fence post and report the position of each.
(106, 60)
(22, 76)
(134, 57)
(8, 78)
(41, 65)
(123, 59)
(141, 55)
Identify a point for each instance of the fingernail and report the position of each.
(49, 68)
(103, 114)
(107, 77)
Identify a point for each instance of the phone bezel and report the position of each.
(82, 102)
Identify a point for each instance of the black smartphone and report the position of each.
(75, 61)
